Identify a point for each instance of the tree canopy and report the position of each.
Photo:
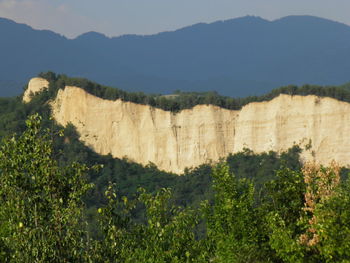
(186, 100)
(300, 214)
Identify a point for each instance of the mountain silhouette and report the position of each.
(236, 57)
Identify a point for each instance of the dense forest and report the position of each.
(61, 202)
(297, 215)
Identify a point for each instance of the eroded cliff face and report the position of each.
(206, 133)
(145, 134)
(35, 85)
(322, 123)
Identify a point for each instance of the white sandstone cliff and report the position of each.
(35, 85)
(145, 134)
(174, 141)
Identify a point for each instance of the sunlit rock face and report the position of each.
(145, 134)
(174, 141)
(35, 85)
(320, 125)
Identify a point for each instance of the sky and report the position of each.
(117, 17)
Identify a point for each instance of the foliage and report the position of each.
(299, 215)
(334, 225)
(186, 100)
(262, 167)
(40, 203)
(258, 208)
(168, 235)
(283, 206)
(189, 189)
(231, 220)
(318, 230)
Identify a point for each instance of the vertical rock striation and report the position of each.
(145, 134)
(174, 141)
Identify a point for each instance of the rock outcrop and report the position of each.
(145, 134)
(35, 85)
(174, 141)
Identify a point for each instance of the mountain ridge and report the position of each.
(236, 57)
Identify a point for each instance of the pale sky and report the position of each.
(118, 17)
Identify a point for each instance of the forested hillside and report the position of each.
(297, 215)
(191, 187)
(249, 208)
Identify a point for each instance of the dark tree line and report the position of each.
(186, 100)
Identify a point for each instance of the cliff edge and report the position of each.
(174, 141)
(35, 85)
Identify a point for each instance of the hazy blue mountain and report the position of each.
(237, 57)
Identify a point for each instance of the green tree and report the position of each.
(334, 227)
(41, 209)
(283, 205)
(309, 221)
(167, 235)
(231, 221)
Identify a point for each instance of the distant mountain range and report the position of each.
(237, 57)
